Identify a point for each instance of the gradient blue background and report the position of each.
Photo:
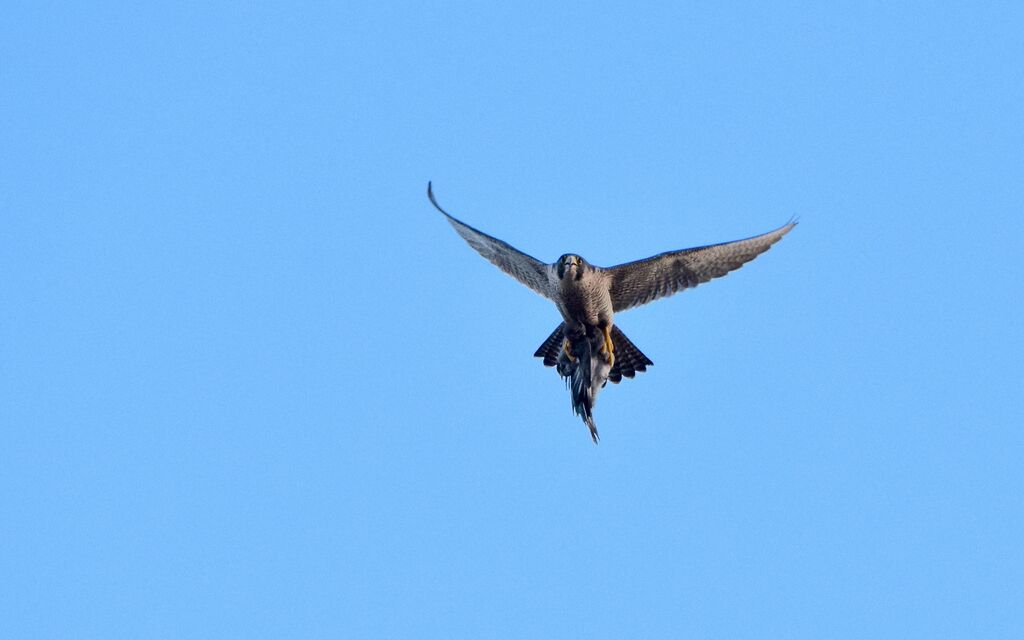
(253, 386)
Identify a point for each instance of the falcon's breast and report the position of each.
(586, 299)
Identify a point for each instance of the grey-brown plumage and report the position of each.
(640, 282)
(588, 349)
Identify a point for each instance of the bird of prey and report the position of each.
(588, 348)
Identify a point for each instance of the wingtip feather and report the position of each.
(433, 200)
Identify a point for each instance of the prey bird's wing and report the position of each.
(526, 269)
(640, 282)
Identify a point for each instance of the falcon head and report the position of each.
(571, 265)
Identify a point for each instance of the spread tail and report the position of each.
(629, 360)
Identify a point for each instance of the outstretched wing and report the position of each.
(526, 269)
(640, 282)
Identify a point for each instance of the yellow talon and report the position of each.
(609, 346)
(568, 350)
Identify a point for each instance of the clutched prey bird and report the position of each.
(588, 348)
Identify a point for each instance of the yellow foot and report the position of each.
(609, 346)
(568, 350)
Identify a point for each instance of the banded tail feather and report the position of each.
(629, 360)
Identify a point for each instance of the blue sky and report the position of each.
(252, 385)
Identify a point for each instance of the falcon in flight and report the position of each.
(587, 347)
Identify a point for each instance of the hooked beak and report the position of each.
(566, 264)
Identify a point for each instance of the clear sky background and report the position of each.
(253, 386)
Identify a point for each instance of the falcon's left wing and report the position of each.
(640, 282)
(526, 269)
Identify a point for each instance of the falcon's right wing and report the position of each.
(526, 269)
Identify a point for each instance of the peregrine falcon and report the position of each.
(588, 348)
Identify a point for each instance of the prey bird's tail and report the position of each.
(585, 374)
